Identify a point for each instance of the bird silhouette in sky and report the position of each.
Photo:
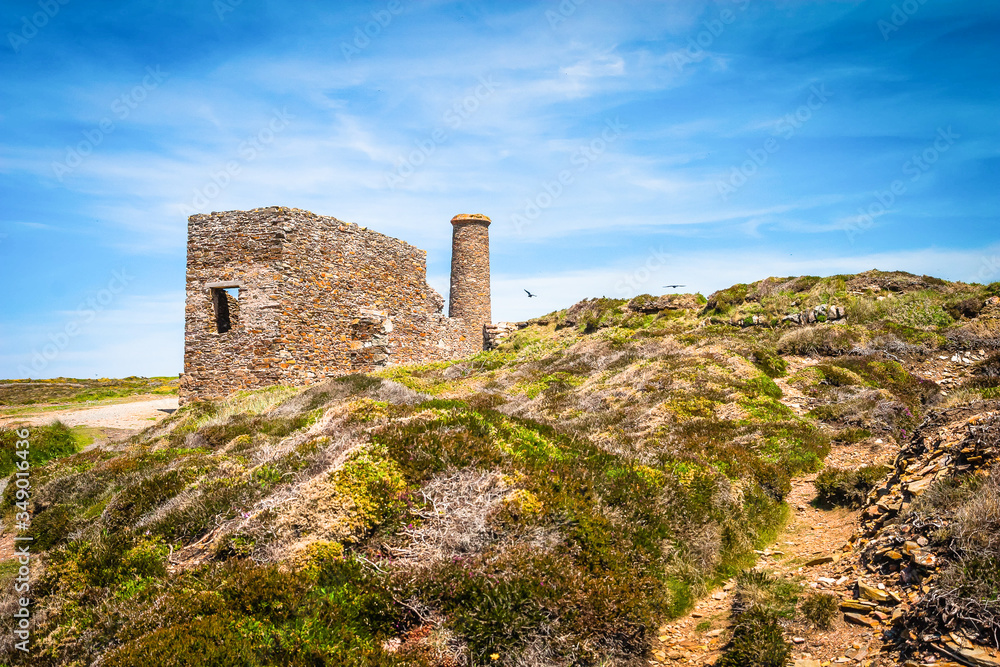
(529, 294)
(673, 286)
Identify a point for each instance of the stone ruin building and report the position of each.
(284, 296)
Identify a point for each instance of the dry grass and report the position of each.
(454, 519)
(977, 334)
(960, 397)
(890, 346)
(821, 339)
(459, 518)
(251, 403)
(315, 511)
(976, 530)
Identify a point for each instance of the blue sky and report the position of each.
(617, 146)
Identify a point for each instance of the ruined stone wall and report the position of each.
(469, 297)
(494, 334)
(317, 298)
(246, 251)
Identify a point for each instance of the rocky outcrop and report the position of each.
(814, 315)
(905, 546)
(647, 304)
(890, 281)
(494, 334)
(820, 313)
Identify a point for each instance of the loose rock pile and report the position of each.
(494, 334)
(901, 551)
(814, 315)
(650, 304)
(820, 313)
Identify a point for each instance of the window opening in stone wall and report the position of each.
(225, 302)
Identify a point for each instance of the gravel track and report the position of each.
(131, 416)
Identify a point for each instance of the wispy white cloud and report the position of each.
(555, 87)
(709, 271)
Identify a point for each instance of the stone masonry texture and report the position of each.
(305, 297)
(469, 297)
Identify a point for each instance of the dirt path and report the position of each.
(813, 549)
(811, 535)
(130, 416)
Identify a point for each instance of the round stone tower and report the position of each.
(470, 274)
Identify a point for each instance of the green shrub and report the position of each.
(133, 501)
(762, 386)
(214, 640)
(240, 613)
(44, 444)
(218, 435)
(52, 525)
(760, 601)
(497, 603)
(819, 339)
(838, 376)
(217, 499)
(760, 590)
(356, 383)
(838, 486)
(970, 581)
(758, 641)
(768, 361)
(852, 435)
(375, 485)
(820, 609)
(723, 301)
(79, 567)
(915, 309)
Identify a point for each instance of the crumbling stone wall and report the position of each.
(318, 297)
(494, 334)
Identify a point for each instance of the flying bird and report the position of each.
(529, 294)
(673, 286)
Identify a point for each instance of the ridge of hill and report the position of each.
(549, 502)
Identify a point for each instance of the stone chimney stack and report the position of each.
(470, 274)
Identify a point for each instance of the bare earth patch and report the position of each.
(132, 415)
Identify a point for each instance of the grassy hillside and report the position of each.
(548, 502)
(81, 390)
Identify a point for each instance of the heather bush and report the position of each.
(758, 641)
(44, 444)
(838, 486)
(555, 503)
(820, 609)
(818, 340)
